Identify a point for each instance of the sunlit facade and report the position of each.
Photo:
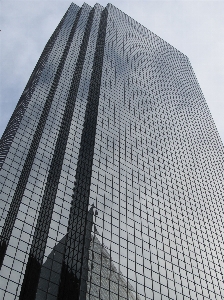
(111, 171)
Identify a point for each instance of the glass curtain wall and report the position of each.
(111, 171)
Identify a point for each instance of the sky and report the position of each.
(196, 28)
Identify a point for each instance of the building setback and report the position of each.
(111, 171)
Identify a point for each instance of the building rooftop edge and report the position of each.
(137, 23)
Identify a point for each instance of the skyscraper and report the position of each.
(111, 171)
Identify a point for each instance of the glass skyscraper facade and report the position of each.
(111, 171)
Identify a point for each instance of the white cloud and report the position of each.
(196, 28)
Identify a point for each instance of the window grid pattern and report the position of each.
(15, 159)
(123, 195)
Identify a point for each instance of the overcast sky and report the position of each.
(196, 28)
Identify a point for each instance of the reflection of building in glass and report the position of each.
(58, 279)
(112, 138)
(103, 281)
